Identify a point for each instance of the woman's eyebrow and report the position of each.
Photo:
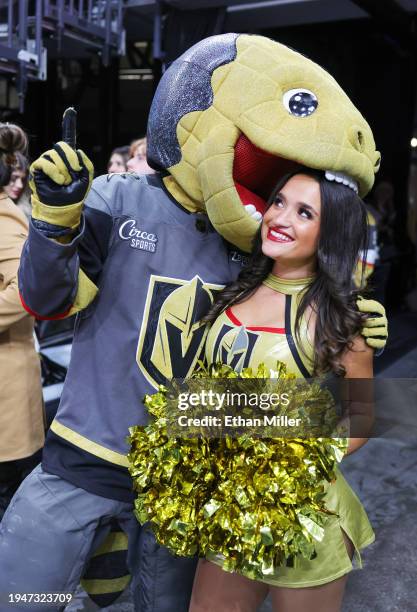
(304, 205)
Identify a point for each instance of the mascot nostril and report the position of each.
(360, 139)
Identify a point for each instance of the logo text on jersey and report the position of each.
(138, 237)
(239, 257)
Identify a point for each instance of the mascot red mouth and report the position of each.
(256, 172)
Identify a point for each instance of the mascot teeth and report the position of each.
(250, 209)
(339, 177)
(252, 212)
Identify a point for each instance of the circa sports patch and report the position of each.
(138, 237)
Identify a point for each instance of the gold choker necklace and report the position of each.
(286, 285)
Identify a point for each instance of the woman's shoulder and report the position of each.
(359, 346)
(12, 217)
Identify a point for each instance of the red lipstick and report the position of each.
(276, 234)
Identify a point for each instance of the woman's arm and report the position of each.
(13, 233)
(358, 363)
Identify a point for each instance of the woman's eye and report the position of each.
(305, 213)
(278, 202)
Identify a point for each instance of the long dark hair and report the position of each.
(343, 235)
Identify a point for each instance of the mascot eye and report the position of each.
(300, 102)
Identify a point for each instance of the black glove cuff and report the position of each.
(50, 230)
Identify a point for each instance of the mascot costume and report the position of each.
(141, 259)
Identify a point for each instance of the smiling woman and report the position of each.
(314, 229)
(291, 225)
(16, 188)
(294, 304)
(17, 183)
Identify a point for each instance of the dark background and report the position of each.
(373, 58)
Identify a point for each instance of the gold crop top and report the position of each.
(231, 343)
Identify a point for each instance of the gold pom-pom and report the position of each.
(256, 503)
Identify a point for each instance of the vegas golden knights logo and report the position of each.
(171, 338)
(234, 347)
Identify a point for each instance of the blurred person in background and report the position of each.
(137, 144)
(137, 162)
(394, 273)
(383, 210)
(21, 415)
(385, 213)
(17, 187)
(118, 160)
(369, 258)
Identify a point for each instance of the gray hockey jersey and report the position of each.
(157, 268)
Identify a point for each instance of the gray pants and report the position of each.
(52, 527)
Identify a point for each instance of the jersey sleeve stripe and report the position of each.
(62, 315)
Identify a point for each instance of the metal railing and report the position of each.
(95, 23)
(21, 50)
(26, 25)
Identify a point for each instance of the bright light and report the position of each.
(414, 142)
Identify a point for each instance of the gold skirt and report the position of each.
(332, 560)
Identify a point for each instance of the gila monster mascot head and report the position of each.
(236, 112)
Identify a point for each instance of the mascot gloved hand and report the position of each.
(375, 329)
(60, 180)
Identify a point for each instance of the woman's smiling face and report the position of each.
(291, 225)
(116, 164)
(16, 184)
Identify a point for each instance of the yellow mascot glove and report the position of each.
(60, 180)
(375, 329)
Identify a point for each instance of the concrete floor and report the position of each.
(384, 475)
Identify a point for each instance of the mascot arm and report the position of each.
(58, 279)
(375, 329)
